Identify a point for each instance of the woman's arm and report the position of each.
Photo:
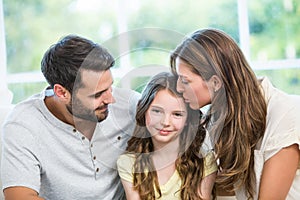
(207, 185)
(131, 194)
(278, 174)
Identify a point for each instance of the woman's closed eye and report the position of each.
(183, 80)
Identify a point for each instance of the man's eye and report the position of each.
(97, 96)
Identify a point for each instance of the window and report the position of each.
(267, 31)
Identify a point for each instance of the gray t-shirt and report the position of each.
(51, 157)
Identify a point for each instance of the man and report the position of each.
(63, 144)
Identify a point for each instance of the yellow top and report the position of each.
(170, 189)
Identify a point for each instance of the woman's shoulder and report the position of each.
(280, 105)
(283, 119)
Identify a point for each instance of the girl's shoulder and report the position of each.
(126, 158)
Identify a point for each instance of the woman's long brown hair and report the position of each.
(237, 116)
(189, 163)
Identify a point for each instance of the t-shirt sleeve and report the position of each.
(125, 167)
(20, 165)
(210, 165)
(283, 129)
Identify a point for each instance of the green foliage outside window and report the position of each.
(31, 26)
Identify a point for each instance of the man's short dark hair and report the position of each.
(63, 61)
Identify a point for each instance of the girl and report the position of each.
(164, 157)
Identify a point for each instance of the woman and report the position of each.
(164, 157)
(255, 127)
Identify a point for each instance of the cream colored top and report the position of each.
(282, 130)
(170, 189)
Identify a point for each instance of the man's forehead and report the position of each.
(96, 80)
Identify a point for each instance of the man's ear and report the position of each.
(61, 92)
(215, 82)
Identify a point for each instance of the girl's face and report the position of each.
(194, 89)
(165, 118)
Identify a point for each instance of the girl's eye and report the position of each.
(156, 111)
(178, 114)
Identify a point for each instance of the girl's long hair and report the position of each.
(189, 163)
(237, 116)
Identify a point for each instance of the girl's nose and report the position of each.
(165, 121)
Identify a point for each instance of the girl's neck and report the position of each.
(171, 147)
(165, 155)
(164, 158)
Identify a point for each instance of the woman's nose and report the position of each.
(179, 86)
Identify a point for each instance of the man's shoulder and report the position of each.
(122, 112)
(125, 92)
(25, 109)
(125, 96)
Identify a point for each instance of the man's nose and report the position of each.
(108, 97)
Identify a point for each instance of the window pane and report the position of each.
(32, 26)
(22, 90)
(275, 29)
(287, 80)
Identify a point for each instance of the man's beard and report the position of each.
(77, 109)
